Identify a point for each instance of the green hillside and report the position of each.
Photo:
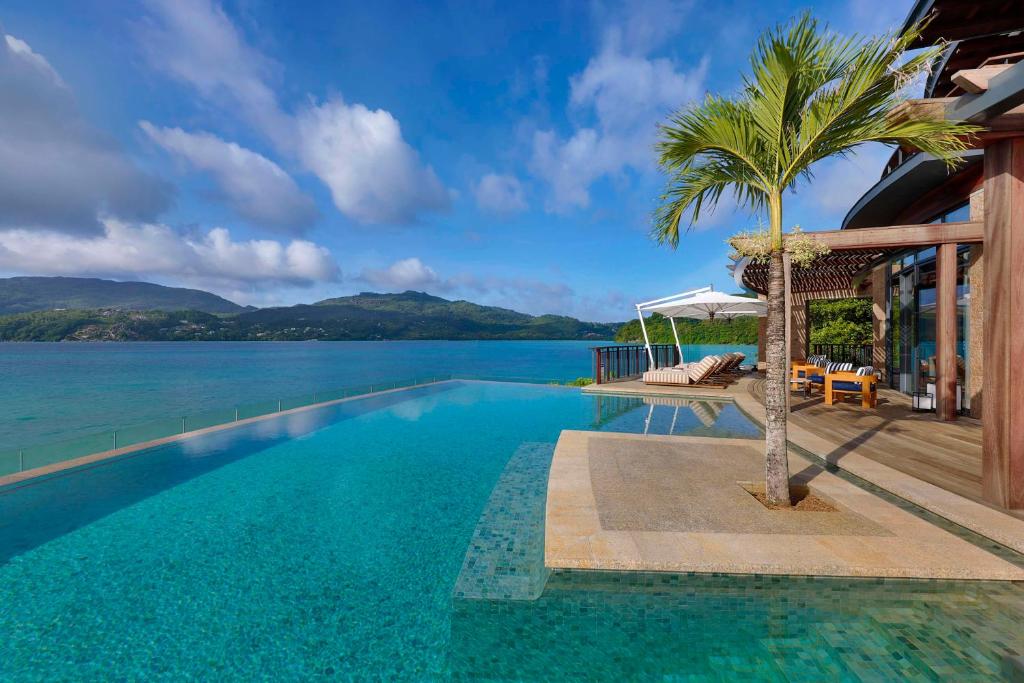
(26, 294)
(367, 316)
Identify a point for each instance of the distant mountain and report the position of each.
(27, 294)
(366, 316)
(417, 315)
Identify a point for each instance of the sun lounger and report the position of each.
(735, 361)
(700, 373)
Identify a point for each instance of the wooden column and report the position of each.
(879, 321)
(1002, 475)
(976, 314)
(976, 330)
(945, 332)
(787, 266)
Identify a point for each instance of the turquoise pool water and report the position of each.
(353, 542)
(57, 391)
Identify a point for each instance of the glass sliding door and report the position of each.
(911, 315)
(907, 331)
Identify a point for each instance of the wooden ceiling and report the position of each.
(984, 29)
(964, 19)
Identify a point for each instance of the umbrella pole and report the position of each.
(675, 334)
(647, 341)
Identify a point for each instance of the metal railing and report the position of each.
(15, 460)
(858, 354)
(613, 363)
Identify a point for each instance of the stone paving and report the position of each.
(672, 503)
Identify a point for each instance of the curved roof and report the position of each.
(889, 196)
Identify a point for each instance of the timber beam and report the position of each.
(898, 236)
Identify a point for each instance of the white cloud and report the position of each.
(56, 171)
(254, 186)
(154, 250)
(194, 41)
(20, 49)
(410, 273)
(500, 194)
(373, 174)
(641, 25)
(840, 181)
(624, 94)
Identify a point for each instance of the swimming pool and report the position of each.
(346, 541)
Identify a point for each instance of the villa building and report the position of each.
(940, 252)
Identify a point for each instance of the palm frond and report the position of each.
(810, 95)
(699, 188)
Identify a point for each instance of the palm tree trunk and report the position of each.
(776, 460)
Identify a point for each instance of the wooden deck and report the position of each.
(945, 454)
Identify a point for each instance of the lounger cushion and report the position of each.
(666, 376)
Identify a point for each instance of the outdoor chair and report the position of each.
(817, 379)
(801, 371)
(863, 382)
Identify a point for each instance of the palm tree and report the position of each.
(810, 95)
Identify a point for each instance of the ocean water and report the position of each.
(57, 391)
(354, 542)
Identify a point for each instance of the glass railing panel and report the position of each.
(149, 431)
(210, 418)
(13, 460)
(10, 462)
(256, 409)
(298, 402)
(48, 454)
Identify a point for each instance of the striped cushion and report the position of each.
(699, 370)
(838, 367)
(666, 376)
(865, 371)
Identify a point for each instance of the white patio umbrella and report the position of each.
(702, 304)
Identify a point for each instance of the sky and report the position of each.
(281, 153)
